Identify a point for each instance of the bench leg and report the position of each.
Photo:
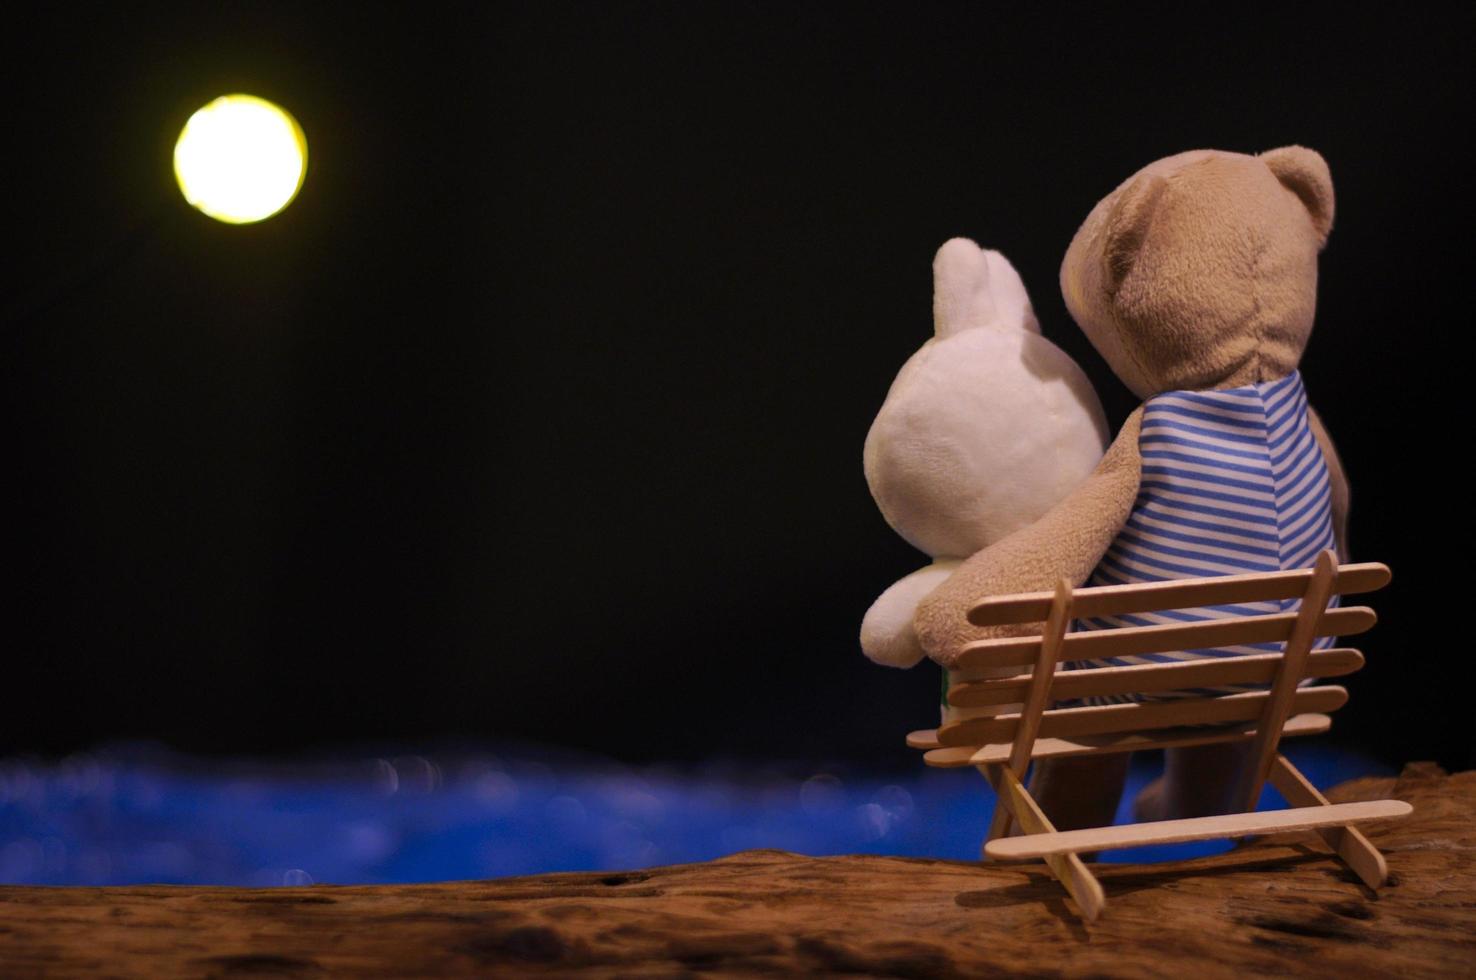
(1076, 793)
(1000, 824)
(1348, 843)
(1069, 869)
(1080, 792)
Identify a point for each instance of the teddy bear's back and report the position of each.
(981, 433)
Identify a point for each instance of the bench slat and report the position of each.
(1115, 600)
(1134, 640)
(1140, 716)
(1197, 828)
(958, 756)
(1205, 672)
(925, 738)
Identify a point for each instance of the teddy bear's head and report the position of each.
(1200, 270)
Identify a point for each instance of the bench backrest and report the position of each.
(1045, 617)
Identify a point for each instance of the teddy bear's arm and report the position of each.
(1068, 541)
(1337, 482)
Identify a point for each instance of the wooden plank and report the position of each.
(954, 756)
(1204, 672)
(1049, 845)
(1069, 869)
(1167, 738)
(1140, 716)
(1000, 821)
(1116, 600)
(1279, 705)
(1348, 843)
(1015, 651)
(925, 738)
(958, 756)
(1037, 695)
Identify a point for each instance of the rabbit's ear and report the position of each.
(961, 296)
(1011, 302)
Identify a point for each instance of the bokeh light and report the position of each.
(240, 159)
(135, 814)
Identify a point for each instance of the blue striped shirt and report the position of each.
(1233, 482)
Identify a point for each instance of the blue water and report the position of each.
(125, 816)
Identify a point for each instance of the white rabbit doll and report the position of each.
(984, 429)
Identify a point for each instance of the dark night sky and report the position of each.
(539, 413)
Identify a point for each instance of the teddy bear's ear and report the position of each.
(1305, 174)
(961, 297)
(1127, 226)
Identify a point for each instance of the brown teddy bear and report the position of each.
(1196, 279)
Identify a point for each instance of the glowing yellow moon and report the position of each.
(240, 159)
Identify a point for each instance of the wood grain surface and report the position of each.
(1279, 906)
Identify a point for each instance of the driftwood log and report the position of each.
(1273, 907)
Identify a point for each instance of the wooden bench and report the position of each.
(998, 718)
